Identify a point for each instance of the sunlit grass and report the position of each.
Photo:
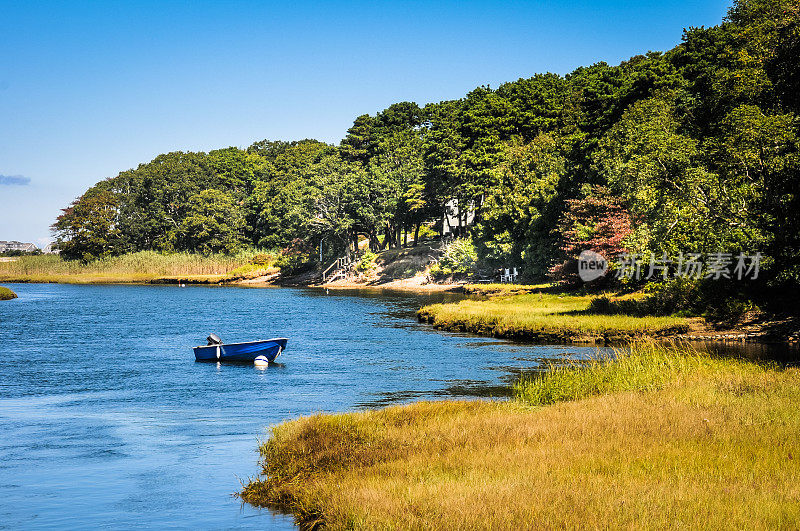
(643, 367)
(6, 294)
(137, 267)
(504, 288)
(708, 442)
(543, 314)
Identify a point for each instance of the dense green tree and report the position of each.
(389, 147)
(443, 154)
(214, 223)
(782, 65)
(88, 228)
(236, 171)
(537, 104)
(398, 172)
(758, 156)
(522, 206)
(155, 196)
(347, 204)
(656, 169)
(283, 199)
(362, 139)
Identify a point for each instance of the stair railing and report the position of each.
(339, 267)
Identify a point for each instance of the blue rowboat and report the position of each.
(216, 350)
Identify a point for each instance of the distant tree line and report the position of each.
(18, 252)
(691, 150)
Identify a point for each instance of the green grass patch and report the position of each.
(6, 294)
(643, 367)
(493, 289)
(546, 316)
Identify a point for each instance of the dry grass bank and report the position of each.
(405, 268)
(545, 317)
(713, 444)
(144, 266)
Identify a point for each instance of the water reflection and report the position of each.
(781, 353)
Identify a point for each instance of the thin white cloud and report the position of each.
(14, 180)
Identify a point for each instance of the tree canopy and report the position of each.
(695, 149)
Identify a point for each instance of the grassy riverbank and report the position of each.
(659, 439)
(145, 266)
(546, 317)
(6, 294)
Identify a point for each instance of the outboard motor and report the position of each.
(213, 339)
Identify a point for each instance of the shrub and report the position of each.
(296, 258)
(721, 302)
(367, 262)
(262, 259)
(426, 233)
(458, 259)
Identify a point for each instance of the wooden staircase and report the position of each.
(340, 268)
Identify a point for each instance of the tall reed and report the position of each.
(644, 366)
(143, 263)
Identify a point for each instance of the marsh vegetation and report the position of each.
(6, 294)
(143, 266)
(546, 317)
(657, 437)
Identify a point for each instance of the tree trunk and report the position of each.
(374, 242)
(416, 235)
(388, 240)
(405, 236)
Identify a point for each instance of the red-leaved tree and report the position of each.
(598, 222)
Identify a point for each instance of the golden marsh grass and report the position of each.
(142, 266)
(714, 443)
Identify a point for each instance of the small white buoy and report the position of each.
(183, 285)
(261, 361)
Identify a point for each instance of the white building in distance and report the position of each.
(16, 246)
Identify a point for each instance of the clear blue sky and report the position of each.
(88, 89)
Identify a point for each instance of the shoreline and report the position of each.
(563, 318)
(411, 285)
(769, 331)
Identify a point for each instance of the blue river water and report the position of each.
(107, 421)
